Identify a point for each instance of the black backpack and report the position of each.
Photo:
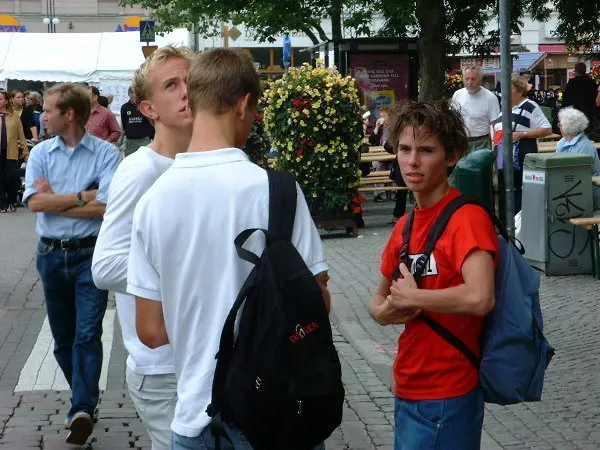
(280, 380)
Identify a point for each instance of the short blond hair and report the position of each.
(141, 79)
(72, 96)
(219, 78)
(520, 84)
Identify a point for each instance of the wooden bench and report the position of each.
(592, 225)
(368, 157)
(382, 173)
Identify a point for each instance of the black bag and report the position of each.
(280, 380)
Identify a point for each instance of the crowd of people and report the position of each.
(480, 110)
(17, 137)
(159, 228)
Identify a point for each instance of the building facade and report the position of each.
(73, 16)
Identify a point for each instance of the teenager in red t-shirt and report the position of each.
(439, 404)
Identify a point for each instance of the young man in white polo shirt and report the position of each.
(159, 86)
(183, 265)
(478, 106)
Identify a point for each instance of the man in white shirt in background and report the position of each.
(160, 89)
(183, 267)
(478, 106)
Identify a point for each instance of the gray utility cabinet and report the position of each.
(556, 188)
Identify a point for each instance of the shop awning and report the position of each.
(526, 61)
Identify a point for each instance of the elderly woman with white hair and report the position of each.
(572, 124)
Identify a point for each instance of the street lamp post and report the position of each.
(507, 144)
(51, 20)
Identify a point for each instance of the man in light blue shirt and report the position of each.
(67, 182)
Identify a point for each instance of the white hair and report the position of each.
(477, 69)
(572, 121)
(37, 96)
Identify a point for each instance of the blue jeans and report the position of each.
(235, 441)
(451, 424)
(75, 308)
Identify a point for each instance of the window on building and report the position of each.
(7, 6)
(31, 6)
(108, 7)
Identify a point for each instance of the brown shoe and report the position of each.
(81, 428)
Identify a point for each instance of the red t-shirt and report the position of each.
(427, 367)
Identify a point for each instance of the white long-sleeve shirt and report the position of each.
(133, 178)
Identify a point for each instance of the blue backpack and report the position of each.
(515, 353)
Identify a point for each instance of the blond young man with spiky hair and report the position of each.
(160, 91)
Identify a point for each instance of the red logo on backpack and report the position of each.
(301, 332)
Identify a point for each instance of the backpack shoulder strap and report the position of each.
(434, 235)
(438, 228)
(282, 203)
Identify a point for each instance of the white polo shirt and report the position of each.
(182, 253)
(133, 178)
(478, 110)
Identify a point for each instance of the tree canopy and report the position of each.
(442, 26)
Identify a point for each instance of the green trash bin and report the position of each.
(473, 176)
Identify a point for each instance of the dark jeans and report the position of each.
(447, 424)
(75, 310)
(400, 207)
(9, 182)
(518, 183)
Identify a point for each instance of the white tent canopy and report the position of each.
(76, 57)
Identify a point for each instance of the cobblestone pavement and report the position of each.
(34, 402)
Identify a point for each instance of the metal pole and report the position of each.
(507, 143)
(196, 40)
(48, 14)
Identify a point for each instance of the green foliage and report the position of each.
(312, 117)
(578, 25)
(266, 18)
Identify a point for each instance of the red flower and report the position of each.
(258, 117)
(298, 103)
(309, 142)
(299, 153)
(359, 200)
(356, 209)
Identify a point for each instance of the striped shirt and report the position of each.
(526, 116)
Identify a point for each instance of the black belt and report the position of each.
(475, 138)
(71, 244)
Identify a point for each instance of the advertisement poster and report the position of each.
(383, 78)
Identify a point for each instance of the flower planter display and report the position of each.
(453, 83)
(312, 117)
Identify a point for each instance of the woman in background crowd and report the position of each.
(17, 99)
(12, 150)
(528, 124)
(35, 102)
(572, 124)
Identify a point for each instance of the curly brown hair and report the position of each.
(437, 117)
